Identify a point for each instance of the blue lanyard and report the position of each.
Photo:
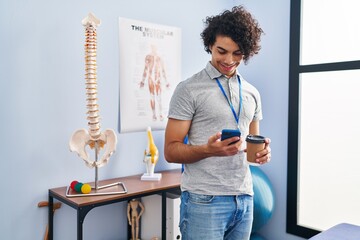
(237, 117)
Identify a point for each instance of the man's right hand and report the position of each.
(224, 148)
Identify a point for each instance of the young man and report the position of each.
(216, 199)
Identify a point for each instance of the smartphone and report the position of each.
(229, 133)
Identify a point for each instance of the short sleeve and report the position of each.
(181, 103)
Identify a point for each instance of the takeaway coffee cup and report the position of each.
(254, 144)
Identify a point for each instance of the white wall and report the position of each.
(269, 72)
(43, 103)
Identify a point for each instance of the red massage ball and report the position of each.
(72, 185)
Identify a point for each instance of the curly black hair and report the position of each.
(239, 25)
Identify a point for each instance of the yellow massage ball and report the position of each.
(86, 188)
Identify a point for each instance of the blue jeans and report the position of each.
(215, 217)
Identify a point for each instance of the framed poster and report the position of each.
(150, 69)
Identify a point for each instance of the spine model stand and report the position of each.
(93, 138)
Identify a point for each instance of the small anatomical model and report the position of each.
(151, 154)
(151, 157)
(134, 217)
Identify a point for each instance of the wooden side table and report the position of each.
(136, 188)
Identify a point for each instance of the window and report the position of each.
(324, 116)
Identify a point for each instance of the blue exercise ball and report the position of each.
(264, 198)
(255, 236)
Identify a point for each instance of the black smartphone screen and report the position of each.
(229, 133)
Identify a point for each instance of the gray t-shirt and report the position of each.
(201, 100)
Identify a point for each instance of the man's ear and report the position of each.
(210, 48)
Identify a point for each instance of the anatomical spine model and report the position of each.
(93, 138)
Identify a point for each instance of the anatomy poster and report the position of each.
(150, 65)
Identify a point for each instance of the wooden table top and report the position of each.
(135, 186)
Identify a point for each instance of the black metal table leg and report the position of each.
(79, 225)
(163, 215)
(51, 217)
(81, 214)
